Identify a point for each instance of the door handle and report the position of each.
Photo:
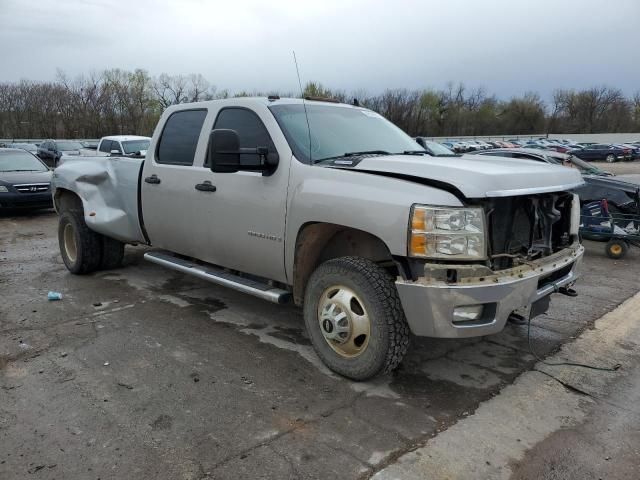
(205, 186)
(153, 179)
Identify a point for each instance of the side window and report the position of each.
(251, 131)
(115, 145)
(105, 146)
(179, 137)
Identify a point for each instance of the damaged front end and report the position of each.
(527, 228)
(532, 251)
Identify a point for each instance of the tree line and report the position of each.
(130, 102)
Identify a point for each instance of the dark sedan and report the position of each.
(603, 151)
(547, 156)
(50, 151)
(25, 182)
(623, 196)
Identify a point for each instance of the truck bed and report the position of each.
(108, 188)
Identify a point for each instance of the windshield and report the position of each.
(66, 146)
(133, 146)
(438, 149)
(20, 162)
(336, 130)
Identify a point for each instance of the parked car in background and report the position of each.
(635, 150)
(621, 195)
(472, 145)
(29, 147)
(457, 147)
(559, 147)
(535, 146)
(435, 149)
(123, 145)
(90, 144)
(50, 151)
(25, 181)
(603, 151)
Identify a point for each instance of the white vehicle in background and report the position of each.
(116, 145)
(123, 145)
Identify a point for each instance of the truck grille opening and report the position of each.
(527, 228)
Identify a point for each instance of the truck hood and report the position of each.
(475, 176)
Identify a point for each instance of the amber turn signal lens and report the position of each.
(418, 221)
(418, 244)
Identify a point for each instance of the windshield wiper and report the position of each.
(414, 152)
(23, 170)
(354, 154)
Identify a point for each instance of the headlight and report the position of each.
(3, 189)
(451, 233)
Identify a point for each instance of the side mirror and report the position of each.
(115, 152)
(223, 154)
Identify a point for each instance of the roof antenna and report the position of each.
(295, 60)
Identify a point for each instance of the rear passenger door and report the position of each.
(168, 181)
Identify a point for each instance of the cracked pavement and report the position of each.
(144, 373)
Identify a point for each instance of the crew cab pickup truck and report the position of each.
(331, 207)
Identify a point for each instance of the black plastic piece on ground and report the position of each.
(517, 319)
(569, 292)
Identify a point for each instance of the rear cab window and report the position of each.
(179, 138)
(105, 146)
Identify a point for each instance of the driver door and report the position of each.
(242, 223)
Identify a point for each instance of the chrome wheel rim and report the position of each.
(343, 321)
(70, 242)
(610, 158)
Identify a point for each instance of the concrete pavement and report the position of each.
(144, 373)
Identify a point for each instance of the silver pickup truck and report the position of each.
(332, 207)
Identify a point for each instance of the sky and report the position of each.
(506, 46)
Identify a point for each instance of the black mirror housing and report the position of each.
(223, 154)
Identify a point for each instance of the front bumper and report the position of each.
(26, 200)
(429, 305)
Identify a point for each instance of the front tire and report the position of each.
(80, 247)
(354, 318)
(611, 158)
